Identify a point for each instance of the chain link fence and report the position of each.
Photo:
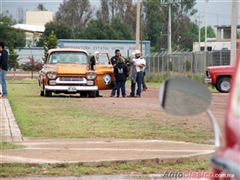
(182, 63)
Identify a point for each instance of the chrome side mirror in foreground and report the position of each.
(185, 97)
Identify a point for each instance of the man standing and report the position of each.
(114, 61)
(92, 64)
(3, 69)
(138, 65)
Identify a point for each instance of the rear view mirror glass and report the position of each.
(184, 97)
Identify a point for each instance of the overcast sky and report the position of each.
(219, 11)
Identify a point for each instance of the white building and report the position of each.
(221, 42)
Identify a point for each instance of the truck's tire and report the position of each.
(92, 94)
(47, 93)
(224, 84)
(41, 93)
(83, 94)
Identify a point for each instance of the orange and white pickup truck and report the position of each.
(68, 71)
(220, 77)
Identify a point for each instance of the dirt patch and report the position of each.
(148, 107)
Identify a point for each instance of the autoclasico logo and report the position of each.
(193, 174)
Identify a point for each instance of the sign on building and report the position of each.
(126, 47)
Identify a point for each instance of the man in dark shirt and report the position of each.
(3, 69)
(114, 61)
(92, 63)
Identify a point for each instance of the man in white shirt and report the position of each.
(138, 65)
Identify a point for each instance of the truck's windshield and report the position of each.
(68, 57)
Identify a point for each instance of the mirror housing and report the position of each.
(184, 97)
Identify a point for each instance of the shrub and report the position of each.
(32, 65)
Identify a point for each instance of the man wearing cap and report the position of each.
(138, 65)
(114, 61)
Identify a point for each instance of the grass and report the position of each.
(69, 118)
(7, 145)
(66, 117)
(16, 170)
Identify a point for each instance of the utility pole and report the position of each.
(138, 24)
(169, 28)
(169, 4)
(199, 30)
(205, 46)
(234, 32)
(1, 8)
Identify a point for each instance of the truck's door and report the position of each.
(104, 70)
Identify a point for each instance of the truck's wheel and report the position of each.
(224, 84)
(92, 94)
(83, 94)
(47, 93)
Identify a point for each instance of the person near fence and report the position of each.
(114, 61)
(92, 63)
(121, 73)
(138, 65)
(3, 69)
(143, 81)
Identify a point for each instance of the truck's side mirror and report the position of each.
(183, 97)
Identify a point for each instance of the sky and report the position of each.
(219, 11)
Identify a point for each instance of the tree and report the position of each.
(13, 59)
(50, 43)
(96, 29)
(103, 12)
(189, 36)
(210, 33)
(41, 7)
(153, 21)
(121, 29)
(20, 15)
(61, 30)
(13, 38)
(76, 13)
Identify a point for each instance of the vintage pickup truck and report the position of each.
(68, 71)
(220, 77)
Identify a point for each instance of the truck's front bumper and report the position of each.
(71, 88)
(208, 80)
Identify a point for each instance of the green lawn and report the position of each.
(66, 117)
(18, 170)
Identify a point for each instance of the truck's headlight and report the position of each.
(51, 75)
(91, 75)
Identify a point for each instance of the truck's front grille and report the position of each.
(70, 78)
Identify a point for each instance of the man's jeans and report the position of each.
(3, 82)
(114, 88)
(139, 85)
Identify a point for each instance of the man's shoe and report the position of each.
(130, 96)
(4, 96)
(137, 96)
(111, 95)
(99, 95)
(144, 89)
(117, 96)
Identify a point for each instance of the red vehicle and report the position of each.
(183, 96)
(220, 77)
